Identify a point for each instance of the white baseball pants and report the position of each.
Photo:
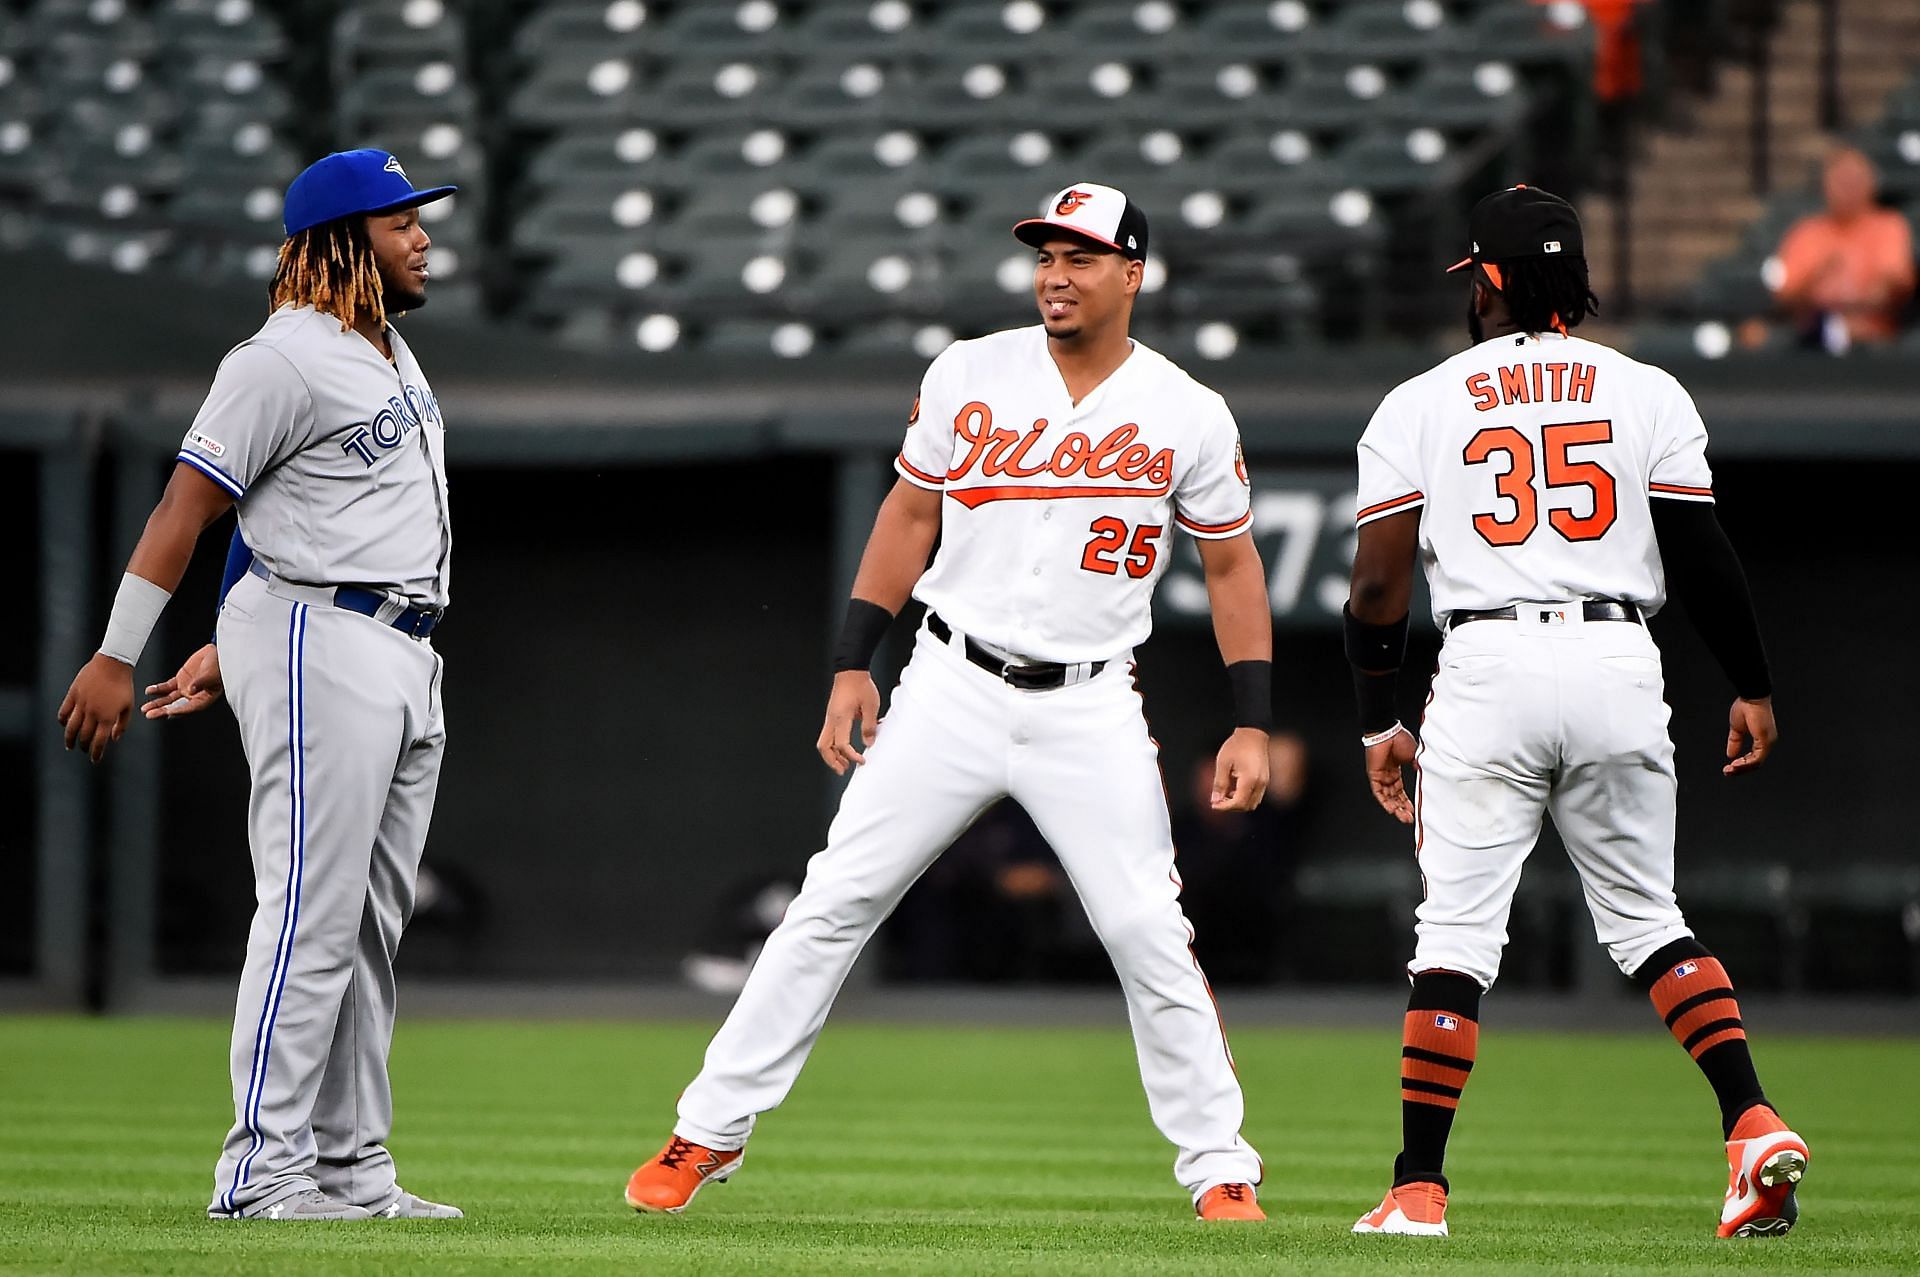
(956, 740)
(1545, 714)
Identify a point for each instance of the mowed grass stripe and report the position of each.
(950, 1150)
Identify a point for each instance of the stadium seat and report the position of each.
(231, 29)
(1392, 161)
(597, 151)
(722, 29)
(1256, 30)
(595, 29)
(701, 93)
(1395, 31)
(387, 96)
(868, 31)
(999, 32)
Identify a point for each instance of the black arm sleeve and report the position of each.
(1704, 573)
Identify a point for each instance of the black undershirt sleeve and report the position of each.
(1704, 574)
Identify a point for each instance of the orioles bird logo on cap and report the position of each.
(1070, 202)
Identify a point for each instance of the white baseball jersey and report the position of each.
(1535, 457)
(335, 456)
(1058, 515)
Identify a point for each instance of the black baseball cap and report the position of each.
(1099, 213)
(1521, 221)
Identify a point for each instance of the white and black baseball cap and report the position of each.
(1099, 213)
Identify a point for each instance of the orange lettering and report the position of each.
(1480, 386)
(1016, 464)
(1539, 391)
(973, 423)
(1513, 384)
(1106, 458)
(1581, 385)
(1071, 455)
(1559, 372)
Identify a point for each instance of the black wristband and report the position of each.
(1376, 653)
(860, 635)
(1252, 694)
(1374, 648)
(1374, 693)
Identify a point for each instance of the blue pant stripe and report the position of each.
(290, 909)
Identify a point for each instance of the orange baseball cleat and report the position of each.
(1764, 1162)
(667, 1183)
(1228, 1201)
(1418, 1209)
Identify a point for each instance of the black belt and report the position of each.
(1042, 676)
(1590, 610)
(416, 622)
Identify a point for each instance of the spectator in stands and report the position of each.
(1237, 869)
(1846, 273)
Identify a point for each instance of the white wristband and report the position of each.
(1381, 738)
(136, 608)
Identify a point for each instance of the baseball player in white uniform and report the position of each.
(1054, 463)
(1554, 489)
(324, 431)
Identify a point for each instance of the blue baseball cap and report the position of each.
(350, 182)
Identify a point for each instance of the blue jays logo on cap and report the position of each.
(350, 182)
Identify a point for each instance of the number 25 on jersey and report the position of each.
(1516, 481)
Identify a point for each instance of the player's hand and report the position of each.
(854, 698)
(98, 705)
(1385, 762)
(193, 687)
(1750, 735)
(1240, 772)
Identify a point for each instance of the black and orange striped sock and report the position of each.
(1693, 994)
(1438, 1046)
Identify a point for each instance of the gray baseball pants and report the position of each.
(341, 721)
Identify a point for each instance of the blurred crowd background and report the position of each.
(680, 305)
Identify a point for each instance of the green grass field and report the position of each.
(952, 1150)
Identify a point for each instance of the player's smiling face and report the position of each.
(400, 246)
(1081, 287)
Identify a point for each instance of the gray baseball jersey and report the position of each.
(335, 456)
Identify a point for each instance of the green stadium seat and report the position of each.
(870, 31)
(1391, 161)
(1264, 161)
(630, 150)
(582, 89)
(109, 27)
(1462, 98)
(220, 28)
(595, 29)
(387, 34)
(722, 29)
(698, 93)
(1335, 96)
(1221, 92)
(960, 96)
(972, 31)
(1389, 31)
(1256, 30)
(1157, 27)
(427, 92)
(1529, 35)
(834, 94)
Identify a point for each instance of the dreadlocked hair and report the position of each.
(330, 267)
(1547, 294)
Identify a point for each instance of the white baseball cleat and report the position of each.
(1761, 1174)
(299, 1207)
(409, 1206)
(1418, 1209)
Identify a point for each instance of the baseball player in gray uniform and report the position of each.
(323, 430)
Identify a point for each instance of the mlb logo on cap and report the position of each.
(1091, 211)
(1685, 969)
(1447, 1022)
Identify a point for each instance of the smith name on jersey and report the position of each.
(1535, 457)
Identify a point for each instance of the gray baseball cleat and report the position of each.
(408, 1206)
(307, 1204)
